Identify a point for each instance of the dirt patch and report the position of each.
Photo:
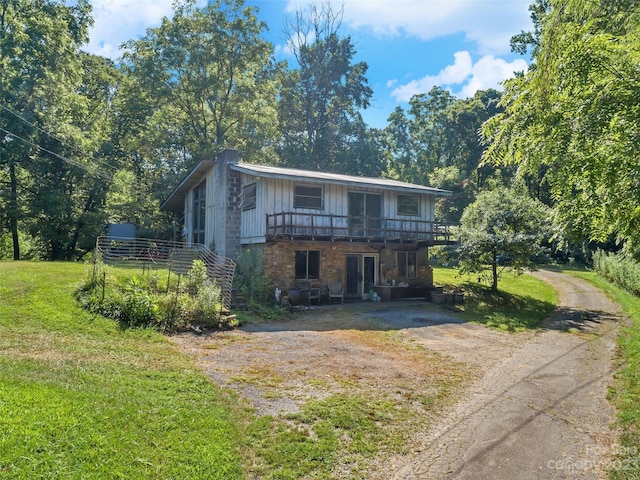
(324, 351)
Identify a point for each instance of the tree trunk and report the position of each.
(494, 271)
(13, 210)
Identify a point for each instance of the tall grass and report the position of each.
(618, 269)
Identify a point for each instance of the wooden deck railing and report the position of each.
(329, 227)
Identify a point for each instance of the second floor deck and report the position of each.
(342, 228)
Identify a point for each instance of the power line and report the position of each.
(97, 172)
(54, 137)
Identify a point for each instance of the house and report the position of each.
(313, 227)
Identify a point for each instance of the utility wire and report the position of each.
(97, 172)
(115, 169)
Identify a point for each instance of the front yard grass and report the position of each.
(522, 301)
(82, 398)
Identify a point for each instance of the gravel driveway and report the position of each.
(541, 411)
(529, 405)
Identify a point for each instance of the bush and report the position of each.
(250, 278)
(619, 269)
(197, 276)
(142, 302)
(137, 307)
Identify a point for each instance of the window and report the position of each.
(407, 264)
(307, 196)
(408, 204)
(307, 264)
(249, 197)
(199, 213)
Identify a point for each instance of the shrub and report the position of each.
(173, 311)
(250, 278)
(619, 269)
(207, 305)
(197, 276)
(137, 307)
(142, 302)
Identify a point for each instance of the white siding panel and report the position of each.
(252, 223)
(275, 195)
(210, 216)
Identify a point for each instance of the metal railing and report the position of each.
(177, 257)
(329, 227)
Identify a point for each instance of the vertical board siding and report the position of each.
(210, 201)
(275, 195)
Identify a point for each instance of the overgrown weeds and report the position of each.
(168, 303)
(619, 269)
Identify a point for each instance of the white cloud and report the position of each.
(489, 72)
(116, 21)
(489, 23)
(463, 76)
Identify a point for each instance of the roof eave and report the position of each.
(355, 182)
(175, 201)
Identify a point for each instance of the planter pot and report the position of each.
(438, 297)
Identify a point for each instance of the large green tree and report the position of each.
(503, 227)
(574, 117)
(200, 82)
(53, 130)
(437, 142)
(321, 99)
(418, 139)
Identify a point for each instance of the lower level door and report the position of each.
(354, 276)
(369, 263)
(361, 275)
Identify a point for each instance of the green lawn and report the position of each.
(521, 303)
(82, 398)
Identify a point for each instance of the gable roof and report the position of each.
(175, 200)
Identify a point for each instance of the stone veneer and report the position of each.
(278, 258)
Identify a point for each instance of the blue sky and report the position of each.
(409, 45)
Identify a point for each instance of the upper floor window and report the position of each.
(199, 213)
(307, 196)
(249, 197)
(408, 204)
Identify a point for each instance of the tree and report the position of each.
(53, 127)
(503, 226)
(419, 142)
(572, 119)
(437, 141)
(320, 101)
(203, 80)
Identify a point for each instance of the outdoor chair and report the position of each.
(335, 291)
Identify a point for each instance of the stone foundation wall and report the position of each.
(278, 258)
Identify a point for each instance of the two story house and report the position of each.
(313, 227)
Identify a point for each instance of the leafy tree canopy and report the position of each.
(320, 101)
(502, 227)
(206, 80)
(574, 117)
